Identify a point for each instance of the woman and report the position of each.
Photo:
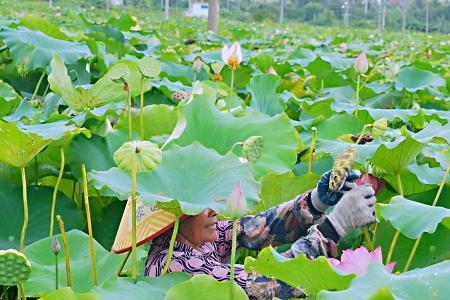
(203, 244)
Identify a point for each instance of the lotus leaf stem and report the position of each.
(133, 217)
(21, 291)
(89, 223)
(122, 263)
(171, 245)
(417, 242)
(66, 249)
(362, 133)
(130, 128)
(397, 233)
(141, 109)
(233, 257)
(311, 149)
(38, 85)
(55, 190)
(36, 171)
(25, 210)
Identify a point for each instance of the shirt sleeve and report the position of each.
(279, 225)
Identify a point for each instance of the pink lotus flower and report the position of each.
(361, 63)
(357, 261)
(271, 70)
(56, 248)
(236, 203)
(197, 65)
(343, 47)
(232, 56)
(376, 183)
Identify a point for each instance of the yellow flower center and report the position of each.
(233, 62)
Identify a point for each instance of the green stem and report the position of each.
(89, 223)
(362, 133)
(367, 237)
(122, 263)
(416, 244)
(133, 217)
(235, 145)
(55, 190)
(397, 233)
(141, 109)
(36, 171)
(130, 136)
(46, 90)
(232, 79)
(56, 272)
(38, 85)
(311, 149)
(25, 209)
(66, 249)
(233, 256)
(357, 94)
(171, 245)
(21, 291)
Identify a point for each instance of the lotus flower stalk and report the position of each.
(56, 248)
(89, 223)
(25, 209)
(397, 233)
(55, 190)
(171, 244)
(361, 66)
(66, 249)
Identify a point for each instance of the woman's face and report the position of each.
(199, 229)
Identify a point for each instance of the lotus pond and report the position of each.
(70, 99)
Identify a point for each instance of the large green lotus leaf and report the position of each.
(432, 248)
(413, 79)
(337, 125)
(279, 188)
(204, 287)
(413, 218)
(194, 176)
(264, 94)
(336, 147)
(8, 98)
(311, 275)
(434, 132)
(427, 283)
(103, 91)
(40, 24)
(95, 152)
(42, 259)
(34, 49)
(155, 288)
(68, 294)
(393, 157)
(59, 130)
(325, 75)
(427, 175)
(18, 148)
(159, 119)
(221, 131)
(39, 207)
(411, 183)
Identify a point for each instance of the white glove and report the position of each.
(356, 208)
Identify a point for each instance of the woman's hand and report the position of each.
(355, 209)
(322, 197)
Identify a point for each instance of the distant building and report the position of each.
(197, 9)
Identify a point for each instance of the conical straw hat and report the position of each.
(150, 222)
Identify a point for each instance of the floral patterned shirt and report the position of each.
(295, 221)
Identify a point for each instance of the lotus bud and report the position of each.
(379, 127)
(376, 183)
(252, 147)
(232, 56)
(361, 63)
(236, 203)
(271, 70)
(148, 156)
(343, 47)
(197, 65)
(56, 248)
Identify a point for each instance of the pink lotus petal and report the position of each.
(271, 70)
(389, 267)
(225, 54)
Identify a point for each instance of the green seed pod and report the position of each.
(252, 147)
(148, 156)
(149, 67)
(14, 267)
(119, 73)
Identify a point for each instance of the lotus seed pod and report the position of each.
(252, 147)
(148, 156)
(216, 67)
(119, 73)
(379, 127)
(14, 267)
(149, 66)
(341, 166)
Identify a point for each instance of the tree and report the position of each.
(166, 10)
(213, 15)
(427, 16)
(282, 6)
(404, 4)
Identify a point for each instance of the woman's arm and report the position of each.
(281, 224)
